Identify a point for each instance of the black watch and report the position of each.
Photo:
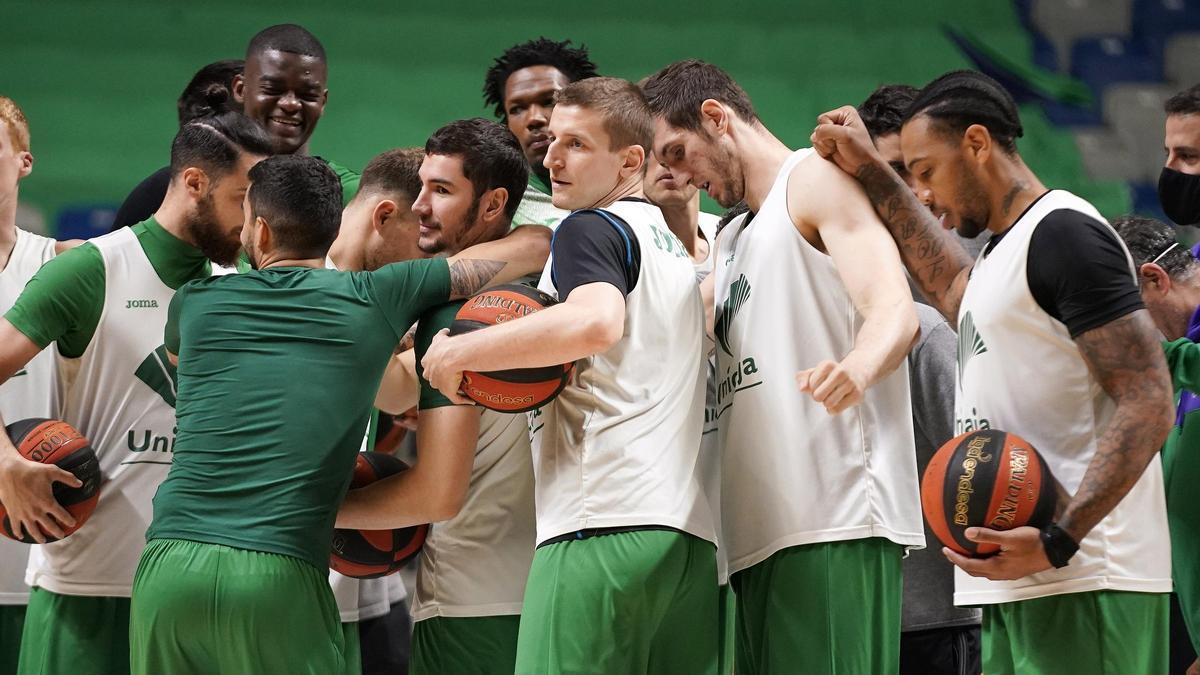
(1058, 544)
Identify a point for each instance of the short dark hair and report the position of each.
(1186, 102)
(676, 92)
(491, 157)
(570, 61)
(883, 111)
(961, 98)
(286, 37)
(620, 102)
(300, 197)
(216, 144)
(393, 172)
(1148, 238)
(210, 91)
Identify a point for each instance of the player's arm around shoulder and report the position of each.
(832, 213)
(520, 253)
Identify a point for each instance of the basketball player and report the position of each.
(208, 93)
(473, 477)
(622, 578)
(101, 304)
(1170, 287)
(1055, 345)
(936, 637)
(808, 260)
(378, 227)
(521, 84)
(236, 557)
(1179, 183)
(35, 390)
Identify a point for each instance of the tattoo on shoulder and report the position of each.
(468, 276)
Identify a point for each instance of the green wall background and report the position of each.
(98, 80)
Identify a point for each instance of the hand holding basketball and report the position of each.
(440, 371)
(1021, 554)
(833, 385)
(841, 137)
(26, 491)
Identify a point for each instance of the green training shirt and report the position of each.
(1181, 473)
(347, 177)
(64, 299)
(278, 370)
(431, 322)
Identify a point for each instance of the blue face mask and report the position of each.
(1179, 194)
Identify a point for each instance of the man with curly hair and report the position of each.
(521, 85)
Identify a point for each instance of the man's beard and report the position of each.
(207, 235)
(443, 244)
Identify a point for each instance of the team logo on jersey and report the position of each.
(20, 373)
(140, 304)
(970, 344)
(739, 293)
(158, 373)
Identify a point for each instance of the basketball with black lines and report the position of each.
(986, 478)
(56, 442)
(367, 554)
(519, 389)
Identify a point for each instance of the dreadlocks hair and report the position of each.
(570, 61)
(961, 98)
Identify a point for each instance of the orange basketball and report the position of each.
(56, 442)
(367, 554)
(986, 478)
(520, 389)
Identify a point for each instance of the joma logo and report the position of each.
(138, 304)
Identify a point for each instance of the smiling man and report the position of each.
(522, 84)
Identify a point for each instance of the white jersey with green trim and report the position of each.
(710, 457)
(120, 394)
(537, 209)
(619, 446)
(476, 563)
(33, 391)
(792, 474)
(1019, 370)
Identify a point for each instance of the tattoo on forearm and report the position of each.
(1128, 363)
(917, 234)
(468, 276)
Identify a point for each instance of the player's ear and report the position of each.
(239, 88)
(714, 118)
(26, 159)
(634, 161)
(383, 216)
(1154, 279)
(196, 181)
(262, 234)
(493, 202)
(977, 142)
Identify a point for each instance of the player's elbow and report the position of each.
(601, 330)
(446, 504)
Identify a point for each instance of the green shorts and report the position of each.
(74, 634)
(819, 609)
(352, 655)
(206, 608)
(726, 629)
(1102, 632)
(474, 645)
(12, 618)
(627, 603)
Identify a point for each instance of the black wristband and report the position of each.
(1058, 544)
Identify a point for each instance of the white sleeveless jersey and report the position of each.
(34, 391)
(620, 445)
(120, 394)
(476, 563)
(792, 473)
(710, 457)
(362, 599)
(1020, 371)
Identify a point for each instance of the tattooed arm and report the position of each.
(1125, 358)
(522, 253)
(937, 262)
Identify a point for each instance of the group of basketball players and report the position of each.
(729, 480)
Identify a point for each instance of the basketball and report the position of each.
(367, 554)
(58, 443)
(520, 389)
(986, 478)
